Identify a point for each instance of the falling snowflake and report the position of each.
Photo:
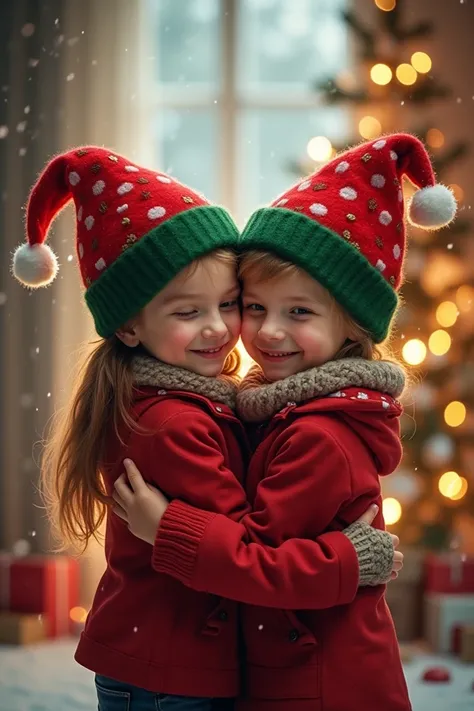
(3, 131)
(70, 76)
(33, 62)
(21, 127)
(28, 30)
(3, 298)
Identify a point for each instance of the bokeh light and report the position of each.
(392, 511)
(381, 74)
(462, 491)
(447, 314)
(386, 5)
(449, 484)
(439, 342)
(421, 62)
(414, 352)
(78, 614)
(458, 192)
(435, 138)
(465, 298)
(319, 149)
(369, 127)
(406, 74)
(455, 413)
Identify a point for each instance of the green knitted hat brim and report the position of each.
(326, 256)
(145, 268)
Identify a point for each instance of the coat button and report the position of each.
(223, 615)
(161, 392)
(294, 635)
(219, 409)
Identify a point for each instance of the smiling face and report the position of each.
(290, 322)
(194, 322)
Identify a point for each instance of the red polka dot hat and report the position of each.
(345, 224)
(136, 229)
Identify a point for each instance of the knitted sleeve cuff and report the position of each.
(374, 550)
(177, 540)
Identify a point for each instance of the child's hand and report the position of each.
(142, 506)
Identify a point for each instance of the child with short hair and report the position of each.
(157, 262)
(321, 269)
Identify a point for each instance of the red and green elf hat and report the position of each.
(345, 224)
(136, 230)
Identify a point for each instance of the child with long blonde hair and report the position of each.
(160, 275)
(321, 268)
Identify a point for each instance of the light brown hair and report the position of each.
(72, 465)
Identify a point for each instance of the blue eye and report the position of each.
(300, 311)
(254, 307)
(231, 304)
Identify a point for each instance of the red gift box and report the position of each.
(449, 573)
(42, 585)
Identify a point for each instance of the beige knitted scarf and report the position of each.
(258, 399)
(152, 372)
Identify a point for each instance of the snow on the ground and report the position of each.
(46, 678)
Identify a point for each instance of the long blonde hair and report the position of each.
(266, 266)
(71, 472)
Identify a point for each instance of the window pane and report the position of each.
(290, 43)
(271, 141)
(187, 39)
(187, 147)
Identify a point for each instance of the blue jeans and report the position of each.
(116, 696)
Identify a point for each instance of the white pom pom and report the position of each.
(432, 207)
(35, 265)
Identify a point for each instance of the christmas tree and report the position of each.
(429, 499)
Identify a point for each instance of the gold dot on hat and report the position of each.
(366, 157)
(88, 281)
(356, 245)
(103, 207)
(372, 204)
(131, 239)
(396, 182)
(114, 159)
(95, 167)
(379, 242)
(81, 152)
(351, 217)
(392, 280)
(95, 244)
(142, 180)
(346, 234)
(319, 186)
(399, 226)
(126, 221)
(145, 194)
(300, 208)
(188, 200)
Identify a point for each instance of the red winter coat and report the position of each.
(316, 470)
(148, 629)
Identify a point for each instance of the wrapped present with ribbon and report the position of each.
(41, 585)
(449, 573)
